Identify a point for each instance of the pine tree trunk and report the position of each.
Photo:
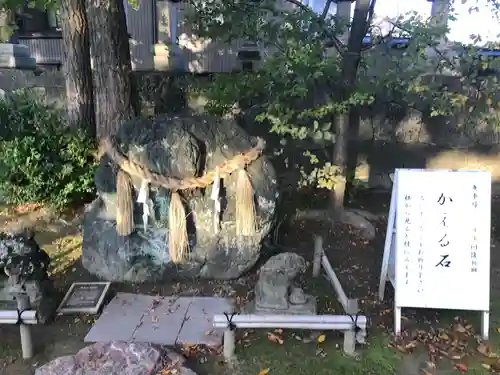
(76, 66)
(114, 90)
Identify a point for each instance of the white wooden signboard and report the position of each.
(437, 246)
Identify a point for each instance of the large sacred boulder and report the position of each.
(179, 196)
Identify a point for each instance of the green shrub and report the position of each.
(41, 159)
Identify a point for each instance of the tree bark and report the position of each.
(354, 124)
(114, 89)
(350, 64)
(76, 66)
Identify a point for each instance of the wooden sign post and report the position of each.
(437, 246)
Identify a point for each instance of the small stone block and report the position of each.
(119, 318)
(198, 326)
(162, 321)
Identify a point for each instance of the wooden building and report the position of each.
(152, 26)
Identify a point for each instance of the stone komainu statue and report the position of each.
(187, 195)
(26, 265)
(275, 291)
(21, 257)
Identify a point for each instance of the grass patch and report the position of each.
(297, 357)
(7, 354)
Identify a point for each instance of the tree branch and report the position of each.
(371, 12)
(326, 8)
(333, 40)
(429, 44)
(298, 3)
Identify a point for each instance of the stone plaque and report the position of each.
(84, 298)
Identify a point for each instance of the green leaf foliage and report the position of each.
(294, 90)
(41, 159)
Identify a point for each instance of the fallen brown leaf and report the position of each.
(320, 353)
(485, 350)
(495, 366)
(401, 348)
(486, 366)
(30, 207)
(411, 345)
(461, 367)
(275, 338)
(456, 356)
(247, 333)
(444, 337)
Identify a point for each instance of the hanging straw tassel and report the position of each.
(124, 204)
(245, 205)
(177, 224)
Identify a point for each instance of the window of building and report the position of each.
(33, 20)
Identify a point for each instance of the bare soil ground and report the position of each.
(357, 262)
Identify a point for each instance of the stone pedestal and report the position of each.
(307, 307)
(16, 56)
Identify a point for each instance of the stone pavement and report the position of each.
(160, 320)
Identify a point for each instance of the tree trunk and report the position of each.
(354, 124)
(114, 90)
(350, 64)
(352, 152)
(76, 66)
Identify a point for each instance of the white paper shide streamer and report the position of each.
(215, 196)
(143, 198)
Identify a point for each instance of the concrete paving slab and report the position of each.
(161, 324)
(198, 324)
(160, 320)
(119, 318)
